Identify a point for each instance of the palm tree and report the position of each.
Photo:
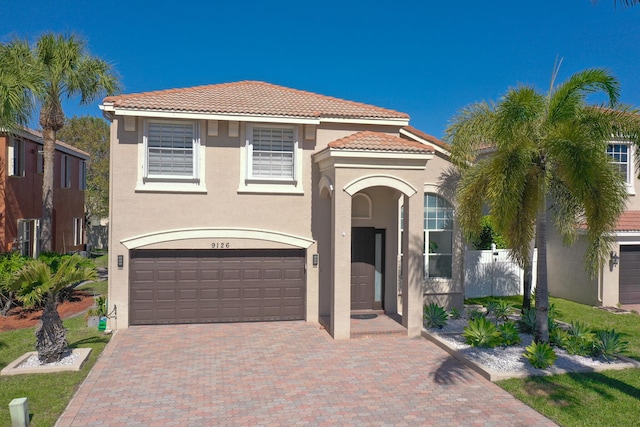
(39, 282)
(549, 157)
(18, 82)
(65, 69)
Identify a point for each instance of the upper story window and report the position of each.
(271, 152)
(438, 236)
(621, 156)
(16, 157)
(65, 171)
(82, 176)
(171, 150)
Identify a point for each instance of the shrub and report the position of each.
(540, 355)
(557, 336)
(10, 263)
(435, 316)
(476, 314)
(501, 309)
(527, 321)
(579, 339)
(481, 332)
(509, 334)
(608, 344)
(487, 236)
(454, 313)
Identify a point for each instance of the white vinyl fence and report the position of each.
(493, 273)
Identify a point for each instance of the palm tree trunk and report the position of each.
(51, 336)
(46, 236)
(542, 290)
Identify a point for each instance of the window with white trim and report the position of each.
(82, 176)
(65, 171)
(620, 154)
(271, 152)
(171, 151)
(16, 156)
(438, 236)
(78, 231)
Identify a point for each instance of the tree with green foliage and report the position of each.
(18, 82)
(488, 235)
(41, 281)
(549, 158)
(91, 134)
(63, 69)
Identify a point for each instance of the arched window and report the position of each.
(438, 236)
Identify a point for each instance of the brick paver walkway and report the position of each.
(283, 374)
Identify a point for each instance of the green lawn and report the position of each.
(48, 394)
(608, 398)
(95, 288)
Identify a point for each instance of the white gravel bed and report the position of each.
(33, 361)
(510, 359)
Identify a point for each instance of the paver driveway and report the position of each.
(284, 373)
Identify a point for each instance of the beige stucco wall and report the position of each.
(223, 206)
(566, 274)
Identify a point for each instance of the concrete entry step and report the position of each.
(382, 325)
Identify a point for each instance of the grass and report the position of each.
(102, 261)
(95, 288)
(48, 394)
(594, 399)
(607, 398)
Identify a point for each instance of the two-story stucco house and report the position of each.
(249, 201)
(21, 174)
(619, 280)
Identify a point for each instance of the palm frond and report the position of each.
(470, 130)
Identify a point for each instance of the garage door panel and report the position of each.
(196, 286)
(629, 290)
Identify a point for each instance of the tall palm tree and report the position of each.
(64, 69)
(19, 81)
(39, 282)
(549, 158)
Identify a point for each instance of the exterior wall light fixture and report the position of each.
(615, 259)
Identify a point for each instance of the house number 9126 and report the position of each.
(221, 245)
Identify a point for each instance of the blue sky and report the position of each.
(425, 58)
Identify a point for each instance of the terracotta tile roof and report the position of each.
(629, 221)
(377, 141)
(432, 139)
(251, 98)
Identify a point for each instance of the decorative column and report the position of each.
(413, 264)
(341, 259)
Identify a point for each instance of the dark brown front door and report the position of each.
(362, 268)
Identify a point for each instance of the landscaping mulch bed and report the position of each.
(20, 317)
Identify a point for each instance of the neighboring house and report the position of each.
(249, 201)
(619, 280)
(21, 164)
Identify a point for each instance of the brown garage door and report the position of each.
(629, 274)
(207, 286)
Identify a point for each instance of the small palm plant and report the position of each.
(481, 332)
(501, 309)
(39, 283)
(540, 355)
(579, 339)
(608, 344)
(509, 334)
(435, 316)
